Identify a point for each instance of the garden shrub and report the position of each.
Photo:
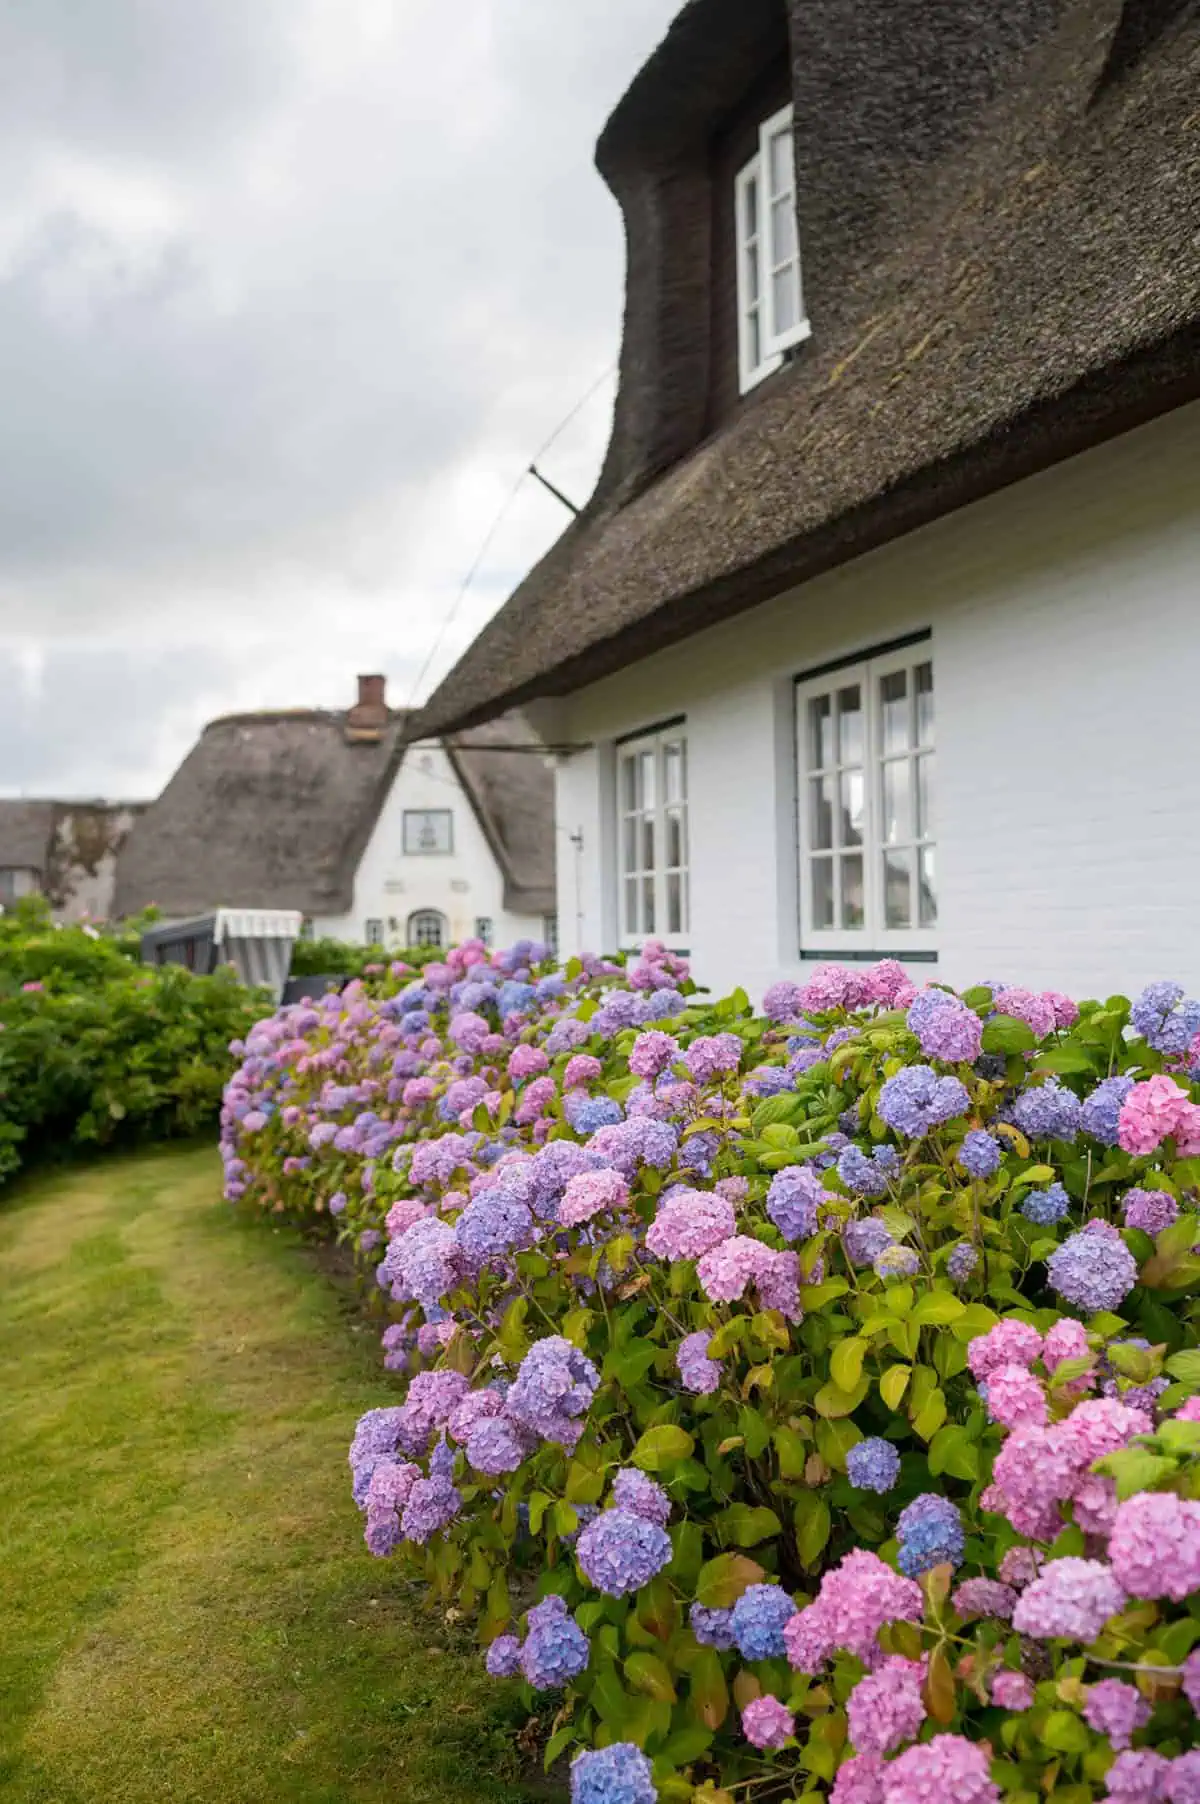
(95, 1050)
(326, 957)
(810, 1400)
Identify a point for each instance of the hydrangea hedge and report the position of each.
(809, 1401)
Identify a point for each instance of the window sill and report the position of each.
(854, 955)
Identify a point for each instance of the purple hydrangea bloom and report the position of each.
(1093, 1271)
(1100, 1114)
(768, 1080)
(554, 1385)
(712, 1628)
(433, 1503)
(493, 1223)
(620, 1552)
(1149, 1210)
(422, 1265)
(1047, 1111)
(873, 1465)
(868, 1176)
(663, 1005)
(713, 1056)
(632, 1490)
(864, 1240)
(947, 1028)
(1070, 1599)
(617, 1774)
(1116, 1710)
(930, 1533)
(504, 1657)
(1165, 1018)
(1045, 1207)
(962, 1261)
(494, 1446)
(699, 1373)
(793, 1199)
(917, 1099)
(758, 1620)
(980, 1154)
(896, 1262)
(556, 1648)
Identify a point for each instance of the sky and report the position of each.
(290, 294)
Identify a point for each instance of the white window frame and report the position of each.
(874, 936)
(415, 815)
(427, 914)
(758, 262)
(658, 743)
(373, 939)
(550, 933)
(485, 929)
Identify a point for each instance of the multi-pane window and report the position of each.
(771, 314)
(373, 933)
(16, 881)
(550, 933)
(428, 830)
(652, 832)
(865, 738)
(427, 928)
(484, 929)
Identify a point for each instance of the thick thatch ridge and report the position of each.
(1002, 257)
(274, 810)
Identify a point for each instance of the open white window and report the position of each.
(866, 778)
(771, 316)
(652, 836)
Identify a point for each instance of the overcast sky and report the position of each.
(290, 292)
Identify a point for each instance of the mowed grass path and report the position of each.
(187, 1611)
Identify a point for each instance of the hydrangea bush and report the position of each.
(808, 1401)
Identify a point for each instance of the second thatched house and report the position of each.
(338, 814)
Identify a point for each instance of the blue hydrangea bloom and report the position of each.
(1047, 1111)
(556, 1648)
(794, 1196)
(494, 1222)
(712, 1628)
(1165, 1017)
(868, 1176)
(1101, 1110)
(617, 1774)
(873, 1465)
(504, 1657)
(664, 1005)
(917, 1099)
(515, 998)
(758, 1621)
(1093, 1270)
(555, 1384)
(594, 1112)
(768, 1080)
(1045, 1207)
(864, 1240)
(620, 1552)
(930, 1533)
(962, 1261)
(980, 1154)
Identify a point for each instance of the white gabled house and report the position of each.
(881, 633)
(374, 837)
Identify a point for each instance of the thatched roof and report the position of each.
(1000, 220)
(274, 810)
(26, 834)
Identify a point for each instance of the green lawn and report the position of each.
(187, 1611)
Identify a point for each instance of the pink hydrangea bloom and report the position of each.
(1094, 1505)
(888, 983)
(857, 1597)
(1037, 1012)
(1011, 1690)
(1066, 1012)
(403, 1213)
(1009, 1343)
(885, 1709)
(859, 1781)
(689, 1224)
(1116, 1710)
(1015, 1397)
(581, 1069)
(1020, 1566)
(984, 1597)
(1070, 1599)
(1191, 1680)
(591, 1193)
(652, 1053)
(949, 1766)
(766, 1723)
(1155, 1546)
(1189, 1410)
(1154, 1110)
(833, 986)
(729, 1268)
(1139, 1778)
(1066, 1340)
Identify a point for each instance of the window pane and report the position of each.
(853, 898)
(648, 905)
(750, 259)
(923, 684)
(674, 904)
(749, 209)
(897, 887)
(820, 732)
(850, 725)
(785, 298)
(629, 783)
(893, 707)
(675, 849)
(821, 789)
(629, 860)
(646, 784)
(783, 162)
(647, 844)
(754, 354)
(822, 892)
(673, 772)
(632, 924)
(928, 887)
(853, 788)
(925, 796)
(783, 231)
(897, 804)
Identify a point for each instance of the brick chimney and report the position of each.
(368, 717)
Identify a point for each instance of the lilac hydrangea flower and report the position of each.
(712, 1627)
(594, 1112)
(917, 1099)
(713, 1056)
(1070, 1600)
(491, 1224)
(946, 1028)
(433, 1503)
(555, 1384)
(617, 1774)
(494, 1446)
(793, 1200)
(865, 1240)
(1093, 1271)
(1045, 1207)
(556, 1648)
(1047, 1111)
(1149, 1210)
(868, 1176)
(896, 1262)
(1100, 1114)
(1166, 1018)
(689, 1223)
(699, 1373)
(873, 1465)
(1116, 1710)
(930, 1533)
(885, 1709)
(984, 1597)
(962, 1261)
(423, 1265)
(504, 1657)
(980, 1153)
(632, 1490)
(767, 1724)
(620, 1552)
(758, 1621)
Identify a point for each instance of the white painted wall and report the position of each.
(463, 885)
(1065, 614)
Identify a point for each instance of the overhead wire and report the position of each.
(456, 605)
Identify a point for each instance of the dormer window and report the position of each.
(771, 315)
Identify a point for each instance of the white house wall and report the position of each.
(1065, 614)
(464, 885)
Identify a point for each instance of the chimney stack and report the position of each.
(368, 717)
